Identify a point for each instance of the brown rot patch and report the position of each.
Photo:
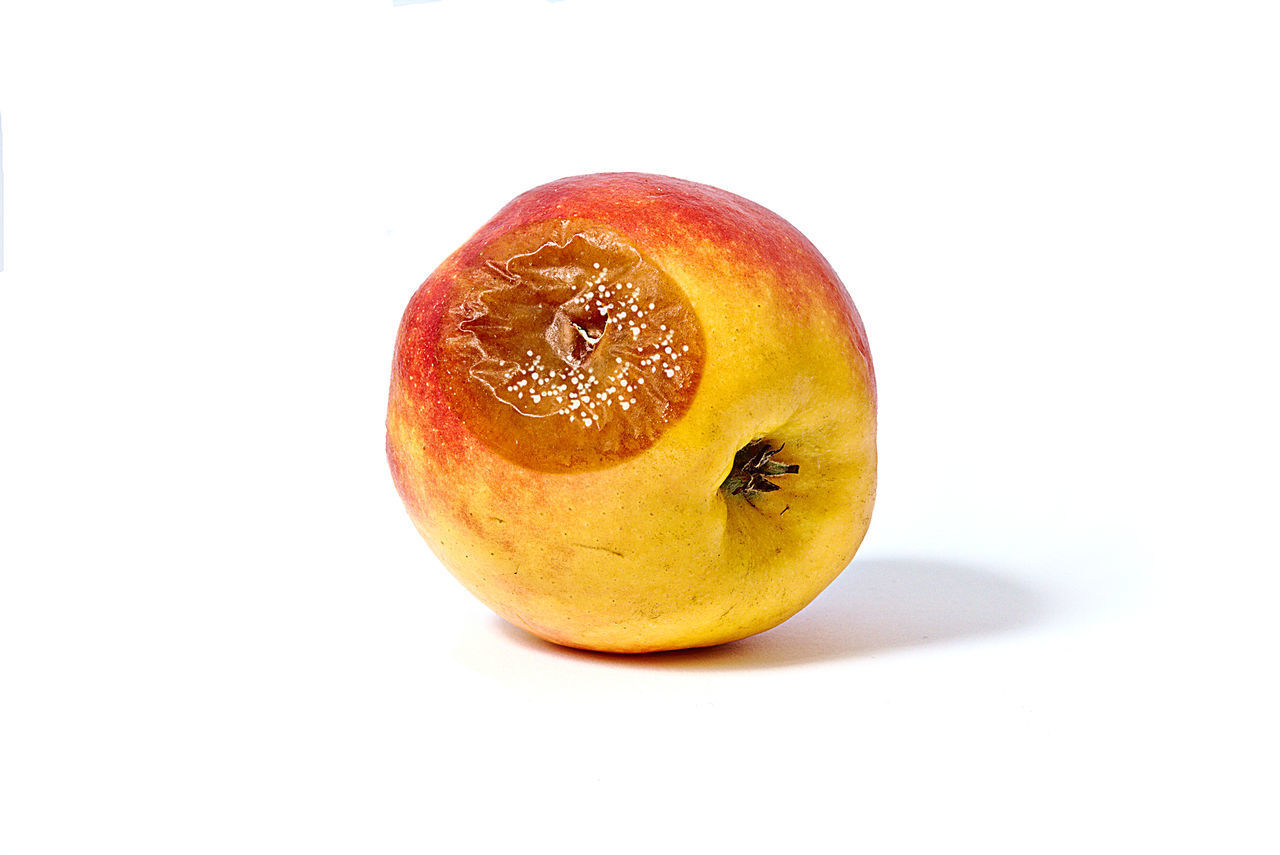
(568, 349)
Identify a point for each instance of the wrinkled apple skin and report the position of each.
(649, 553)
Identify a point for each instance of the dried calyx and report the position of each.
(753, 466)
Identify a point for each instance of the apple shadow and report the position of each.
(874, 606)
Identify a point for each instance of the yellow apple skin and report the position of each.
(649, 553)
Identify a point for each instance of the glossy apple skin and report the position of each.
(649, 554)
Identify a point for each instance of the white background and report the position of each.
(219, 631)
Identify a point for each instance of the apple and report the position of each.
(634, 413)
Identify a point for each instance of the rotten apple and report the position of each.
(635, 413)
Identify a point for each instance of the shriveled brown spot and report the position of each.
(568, 349)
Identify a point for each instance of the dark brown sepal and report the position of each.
(753, 466)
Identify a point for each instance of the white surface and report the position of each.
(220, 633)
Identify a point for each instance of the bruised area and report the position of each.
(563, 348)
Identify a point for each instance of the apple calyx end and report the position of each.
(753, 466)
